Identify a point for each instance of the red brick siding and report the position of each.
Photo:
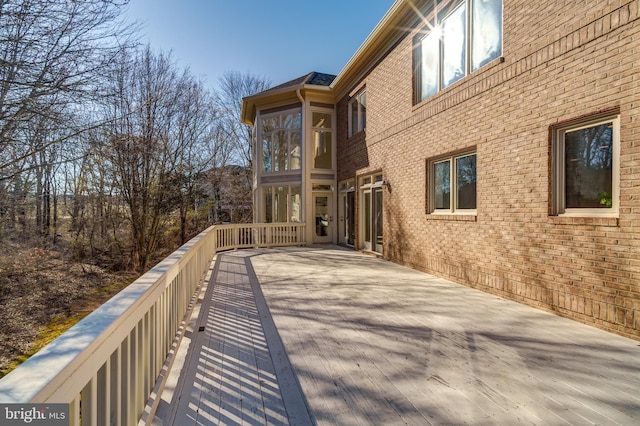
(562, 60)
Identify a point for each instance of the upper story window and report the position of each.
(452, 183)
(281, 142)
(322, 140)
(358, 113)
(461, 36)
(585, 159)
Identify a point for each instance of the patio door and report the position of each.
(372, 219)
(348, 219)
(323, 218)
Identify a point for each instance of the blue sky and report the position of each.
(276, 39)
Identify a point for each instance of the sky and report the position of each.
(278, 40)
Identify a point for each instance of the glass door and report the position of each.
(349, 217)
(377, 219)
(372, 221)
(323, 218)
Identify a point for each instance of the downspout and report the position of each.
(303, 156)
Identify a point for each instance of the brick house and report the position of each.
(492, 142)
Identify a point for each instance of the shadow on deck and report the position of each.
(371, 342)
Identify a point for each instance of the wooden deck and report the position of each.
(331, 336)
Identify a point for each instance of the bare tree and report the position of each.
(51, 56)
(233, 87)
(202, 146)
(161, 140)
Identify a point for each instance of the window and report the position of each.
(281, 204)
(322, 136)
(358, 113)
(452, 183)
(462, 36)
(281, 139)
(586, 167)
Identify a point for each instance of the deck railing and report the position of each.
(110, 366)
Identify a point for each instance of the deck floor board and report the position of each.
(325, 335)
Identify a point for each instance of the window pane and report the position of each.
(442, 174)
(429, 59)
(454, 35)
(466, 182)
(280, 204)
(269, 124)
(266, 153)
(354, 117)
(351, 217)
(291, 121)
(367, 216)
(279, 151)
(267, 204)
(296, 212)
(487, 32)
(321, 120)
(377, 214)
(363, 111)
(588, 155)
(295, 148)
(322, 216)
(321, 149)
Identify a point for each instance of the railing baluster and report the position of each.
(103, 395)
(125, 380)
(120, 349)
(74, 411)
(116, 390)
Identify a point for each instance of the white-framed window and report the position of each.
(281, 204)
(358, 113)
(322, 140)
(280, 136)
(461, 36)
(452, 183)
(586, 167)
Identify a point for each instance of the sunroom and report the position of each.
(294, 131)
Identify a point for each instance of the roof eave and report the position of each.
(394, 24)
(250, 103)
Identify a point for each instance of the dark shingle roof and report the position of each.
(313, 78)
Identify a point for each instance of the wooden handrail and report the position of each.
(108, 364)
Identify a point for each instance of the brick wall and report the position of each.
(561, 60)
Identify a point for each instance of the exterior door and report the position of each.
(347, 217)
(377, 220)
(323, 218)
(372, 220)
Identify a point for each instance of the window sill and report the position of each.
(583, 220)
(453, 217)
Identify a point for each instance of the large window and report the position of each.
(322, 136)
(586, 167)
(462, 36)
(281, 204)
(281, 136)
(452, 183)
(358, 113)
